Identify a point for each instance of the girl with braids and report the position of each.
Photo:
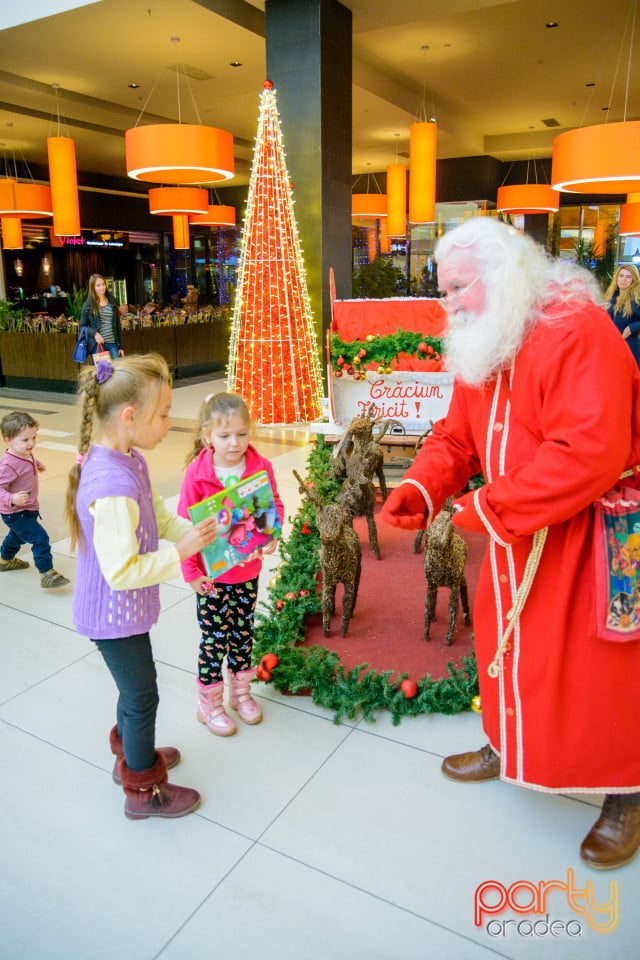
(222, 455)
(116, 520)
(623, 298)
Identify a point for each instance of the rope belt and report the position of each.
(533, 562)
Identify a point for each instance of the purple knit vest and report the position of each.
(98, 611)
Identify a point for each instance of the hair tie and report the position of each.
(80, 458)
(104, 371)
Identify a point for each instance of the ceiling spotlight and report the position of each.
(235, 63)
(551, 24)
(134, 86)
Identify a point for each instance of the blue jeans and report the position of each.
(130, 662)
(25, 528)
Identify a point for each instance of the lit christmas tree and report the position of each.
(273, 355)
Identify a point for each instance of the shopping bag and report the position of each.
(617, 518)
(101, 355)
(80, 349)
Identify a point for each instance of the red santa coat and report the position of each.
(551, 436)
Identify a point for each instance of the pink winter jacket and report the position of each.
(200, 481)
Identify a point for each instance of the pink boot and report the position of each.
(239, 697)
(211, 711)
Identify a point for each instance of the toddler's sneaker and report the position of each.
(13, 564)
(53, 579)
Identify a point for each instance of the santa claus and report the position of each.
(546, 404)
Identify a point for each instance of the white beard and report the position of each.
(478, 346)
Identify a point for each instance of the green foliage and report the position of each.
(317, 671)
(601, 265)
(75, 300)
(10, 318)
(383, 350)
(378, 280)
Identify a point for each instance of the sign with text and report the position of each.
(412, 398)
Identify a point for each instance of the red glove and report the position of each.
(465, 516)
(405, 507)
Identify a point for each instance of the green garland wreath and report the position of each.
(317, 671)
(382, 350)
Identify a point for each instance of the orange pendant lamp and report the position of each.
(179, 153)
(217, 215)
(629, 225)
(12, 233)
(26, 200)
(422, 172)
(528, 198)
(397, 200)
(385, 239)
(599, 159)
(368, 206)
(174, 201)
(63, 178)
(181, 231)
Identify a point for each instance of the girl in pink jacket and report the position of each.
(222, 455)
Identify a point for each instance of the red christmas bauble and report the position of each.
(262, 674)
(291, 595)
(269, 661)
(279, 604)
(303, 593)
(422, 347)
(409, 688)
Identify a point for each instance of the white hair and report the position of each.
(520, 280)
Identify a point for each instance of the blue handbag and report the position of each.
(81, 348)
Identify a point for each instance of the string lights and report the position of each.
(273, 354)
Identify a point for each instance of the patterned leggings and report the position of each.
(226, 621)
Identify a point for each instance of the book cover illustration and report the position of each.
(247, 519)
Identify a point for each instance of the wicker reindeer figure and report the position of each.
(340, 556)
(358, 458)
(445, 555)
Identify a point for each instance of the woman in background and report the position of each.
(623, 305)
(101, 318)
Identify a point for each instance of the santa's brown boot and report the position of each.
(615, 836)
(475, 767)
(171, 754)
(149, 795)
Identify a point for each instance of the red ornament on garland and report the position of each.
(305, 528)
(262, 674)
(409, 688)
(269, 662)
(279, 605)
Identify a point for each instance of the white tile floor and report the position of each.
(313, 842)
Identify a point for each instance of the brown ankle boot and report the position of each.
(171, 754)
(615, 836)
(149, 795)
(475, 767)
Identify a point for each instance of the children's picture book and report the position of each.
(247, 519)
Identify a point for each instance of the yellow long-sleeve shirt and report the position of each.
(117, 549)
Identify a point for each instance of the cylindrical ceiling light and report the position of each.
(599, 159)
(12, 233)
(422, 172)
(385, 239)
(397, 200)
(368, 206)
(629, 225)
(181, 231)
(179, 153)
(217, 215)
(26, 200)
(175, 201)
(528, 198)
(63, 178)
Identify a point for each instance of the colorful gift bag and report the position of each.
(617, 517)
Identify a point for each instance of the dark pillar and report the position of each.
(309, 63)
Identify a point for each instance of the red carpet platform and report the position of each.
(387, 628)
